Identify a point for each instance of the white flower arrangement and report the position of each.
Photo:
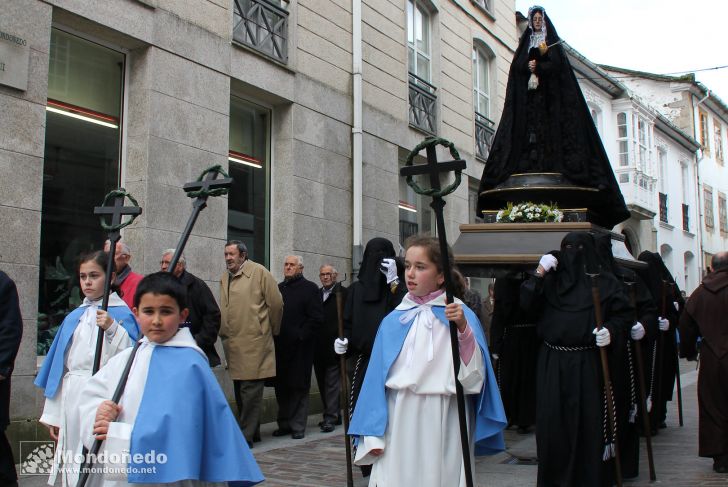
(529, 212)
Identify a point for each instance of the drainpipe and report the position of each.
(356, 131)
(699, 196)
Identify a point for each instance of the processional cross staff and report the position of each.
(434, 168)
(597, 301)
(205, 186)
(641, 378)
(117, 211)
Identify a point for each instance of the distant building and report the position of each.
(655, 164)
(693, 108)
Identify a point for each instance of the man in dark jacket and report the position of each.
(11, 331)
(705, 316)
(302, 317)
(204, 317)
(325, 361)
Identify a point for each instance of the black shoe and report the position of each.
(321, 423)
(720, 468)
(327, 428)
(250, 444)
(338, 421)
(282, 432)
(522, 430)
(298, 435)
(663, 425)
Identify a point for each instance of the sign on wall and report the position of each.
(14, 61)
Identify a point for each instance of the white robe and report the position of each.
(62, 409)
(101, 388)
(422, 441)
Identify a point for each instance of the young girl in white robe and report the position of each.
(406, 418)
(69, 362)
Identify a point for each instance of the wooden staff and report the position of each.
(641, 377)
(344, 396)
(605, 375)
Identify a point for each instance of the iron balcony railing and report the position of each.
(484, 131)
(686, 217)
(263, 26)
(663, 207)
(422, 103)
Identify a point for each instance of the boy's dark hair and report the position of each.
(161, 283)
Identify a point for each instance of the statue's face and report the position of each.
(537, 21)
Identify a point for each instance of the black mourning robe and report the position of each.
(302, 317)
(705, 316)
(662, 380)
(550, 129)
(570, 436)
(513, 336)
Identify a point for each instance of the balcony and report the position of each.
(263, 26)
(484, 131)
(422, 104)
(663, 207)
(638, 190)
(686, 217)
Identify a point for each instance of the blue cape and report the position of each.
(51, 373)
(370, 415)
(184, 415)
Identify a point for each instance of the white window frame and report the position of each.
(478, 90)
(623, 141)
(413, 6)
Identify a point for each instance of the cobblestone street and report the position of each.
(319, 459)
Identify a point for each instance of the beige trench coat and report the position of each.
(251, 307)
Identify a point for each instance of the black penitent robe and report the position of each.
(705, 316)
(570, 410)
(662, 380)
(11, 331)
(513, 339)
(550, 129)
(623, 360)
(302, 317)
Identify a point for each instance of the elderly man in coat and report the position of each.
(303, 315)
(251, 307)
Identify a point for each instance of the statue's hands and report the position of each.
(532, 65)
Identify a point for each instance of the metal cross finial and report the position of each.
(206, 186)
(433, 167)
(117, 211)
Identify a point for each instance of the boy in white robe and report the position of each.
(172, 422)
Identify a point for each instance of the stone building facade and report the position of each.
(311, 105)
